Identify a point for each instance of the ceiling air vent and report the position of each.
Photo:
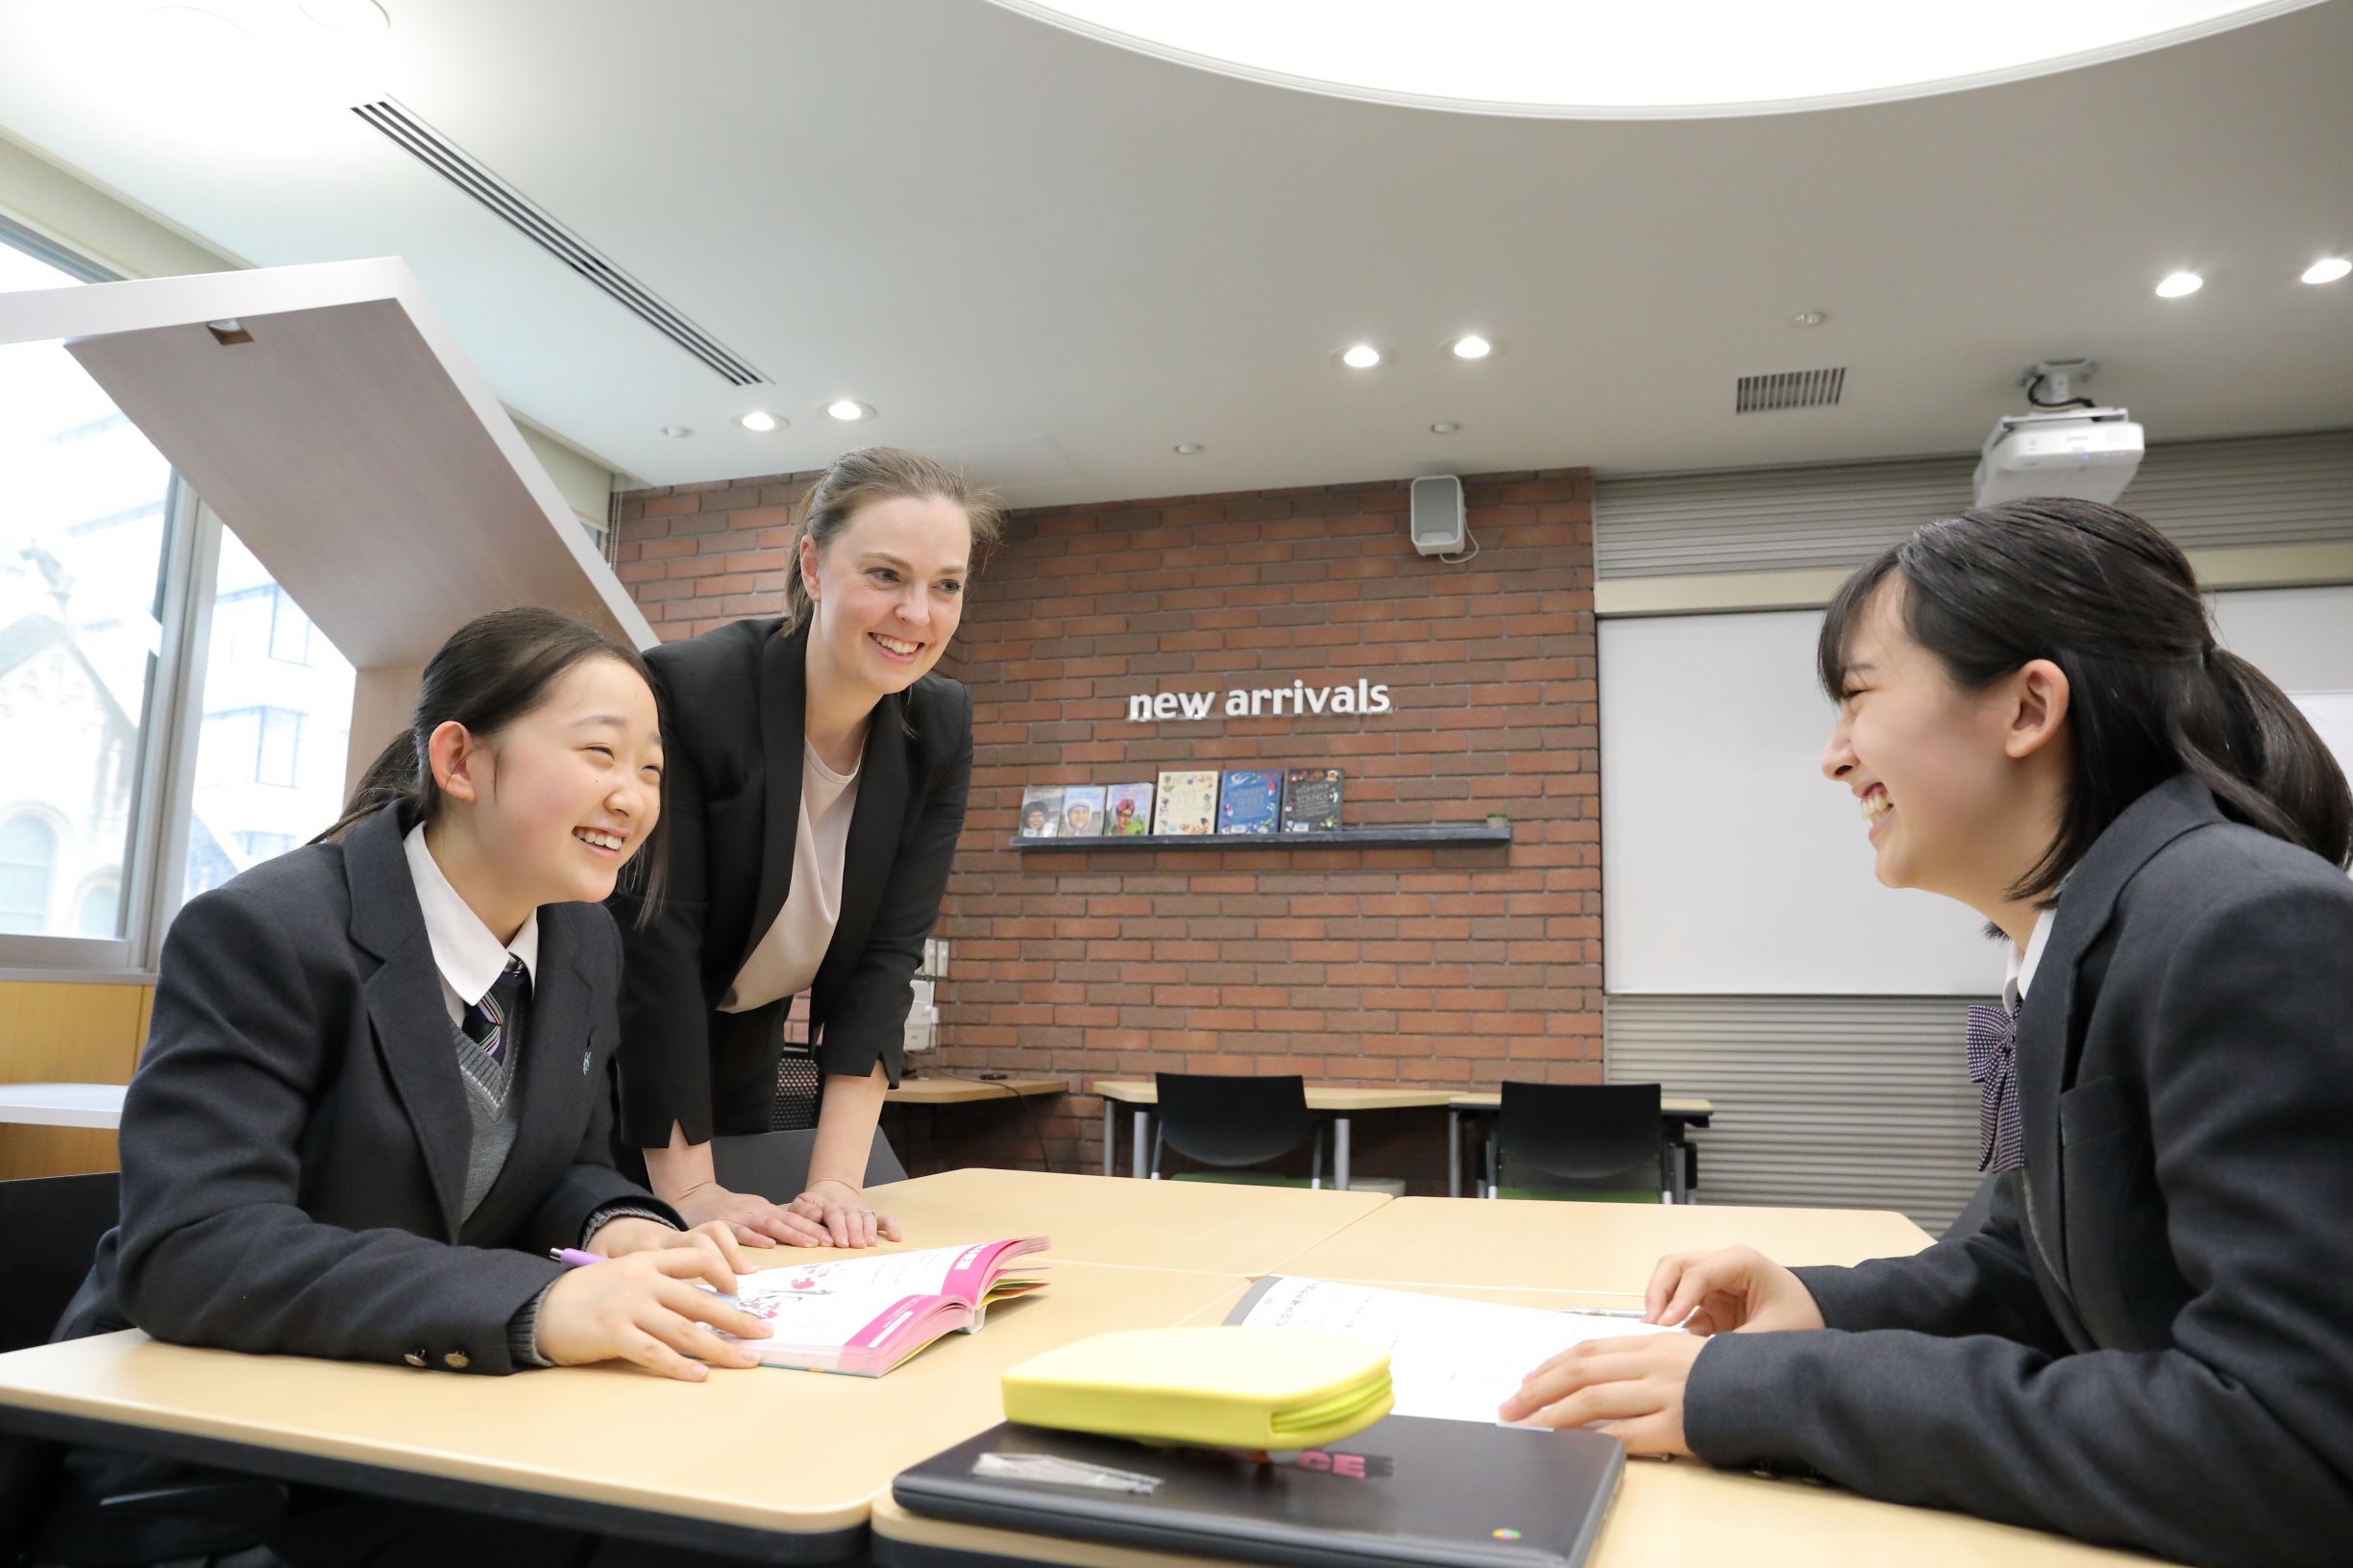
(1789, 389)
(445, 158)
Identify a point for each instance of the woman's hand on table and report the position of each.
(1728, 1290)
(643, 1307)
(751, 1219)
(842, 1212)
(1631, 1387)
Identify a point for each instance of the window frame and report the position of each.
(162, 787)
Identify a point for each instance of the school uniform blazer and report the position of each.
(2148, 1342)
(294, 1144)
(734, 703)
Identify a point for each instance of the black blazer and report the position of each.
(294, 1143)
(2148, 1342)
(733, 702)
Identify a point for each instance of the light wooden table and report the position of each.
(965, 1090)
(763, 1463)
(1611, 1247)
(62, 1105)
(1667, 1512)
(1194, 1226)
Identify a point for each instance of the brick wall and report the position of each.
(1444, 966)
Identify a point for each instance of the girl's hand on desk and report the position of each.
(1733, 1288)
(1631, 1389)
(752, 1220)
(645, 1309)
(723, 1258)
(840, 1210)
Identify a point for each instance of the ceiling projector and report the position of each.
(2067, 447)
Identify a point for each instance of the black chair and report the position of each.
(1594, 1141)
(53, 1224)
(1231, 1120)
(776, 1164)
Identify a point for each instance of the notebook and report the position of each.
(1449, 1359)
(1403, 1490)
(863, 1316)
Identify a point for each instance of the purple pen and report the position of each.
(575, 1257)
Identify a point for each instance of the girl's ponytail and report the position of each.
(2263, 760)
(398, 773)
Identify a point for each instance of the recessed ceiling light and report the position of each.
(1189, 448)
(1471, 346)
(675, 431)
(2327, 271)
(1362, 357)
(2176, 285)
(758, 420)
(346, 15)
(846, 409)
(1444, 427)
(1809, 318)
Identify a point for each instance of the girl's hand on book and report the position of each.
(645, 1309)
(840, 1210)
(752, 1220)
(723, 1256)
(1731, 1288)
(1631, 1389)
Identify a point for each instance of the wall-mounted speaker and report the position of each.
(1435, 517)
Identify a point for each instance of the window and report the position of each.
(277, 722)
(85, 540)
(101, 910)
(28, 865)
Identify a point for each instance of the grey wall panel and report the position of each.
(1844, 1102)
(2255, 490)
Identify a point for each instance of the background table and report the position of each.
(1339, 1101)
(965, 1090)
(62, 1105)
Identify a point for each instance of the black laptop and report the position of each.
(1407, 1489)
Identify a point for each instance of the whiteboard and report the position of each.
(1731, 866)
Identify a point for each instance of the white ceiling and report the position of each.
(1054, 259)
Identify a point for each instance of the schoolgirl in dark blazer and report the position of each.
(2146, 1343)
(838, 690)
(375, 1096)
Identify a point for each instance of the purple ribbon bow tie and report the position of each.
(1993, 1066)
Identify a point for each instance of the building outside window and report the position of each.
(82, 561)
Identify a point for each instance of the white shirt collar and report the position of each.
(467, 952)
(2024, 965)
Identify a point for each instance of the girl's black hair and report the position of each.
(2114, 604)
(493, 669)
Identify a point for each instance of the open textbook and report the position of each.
(1450, 1358)
(865, 1316)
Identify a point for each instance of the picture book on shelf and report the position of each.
(1312, 800)
(1188, 804)
(1127, 811)
(1250, 801)
(1041, 811)
(1082, 811)
(863, 1316)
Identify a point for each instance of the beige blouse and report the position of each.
(787, 958)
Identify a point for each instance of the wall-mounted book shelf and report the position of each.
(1398, 836)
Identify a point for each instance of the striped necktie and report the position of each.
(1993, 1066)
(487, 1022)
